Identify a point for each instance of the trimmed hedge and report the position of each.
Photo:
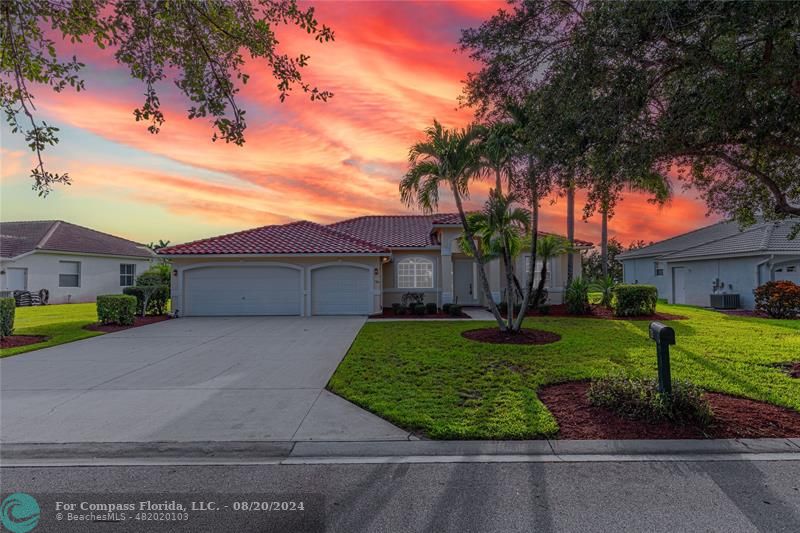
(431, 308)
(8, 310)
(778, 299)
(418, 309)
(634, 300)
(454, 310)
(116, 309)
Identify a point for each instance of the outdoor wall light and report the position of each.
(376, 271)
(175, 272)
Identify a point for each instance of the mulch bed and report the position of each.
(389, 313)
(138, 321)
(15, 341)
(598, 311)
(525, 336)
(734, 418)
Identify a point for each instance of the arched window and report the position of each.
(415, 273)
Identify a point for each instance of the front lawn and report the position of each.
(425, 376)
(61, 323)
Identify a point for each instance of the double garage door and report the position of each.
(276, 290)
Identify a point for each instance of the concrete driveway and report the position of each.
(191, 379)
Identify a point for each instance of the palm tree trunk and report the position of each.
(604, 239)
(570, 230)
(476, 253)
(542, 281)
(498, 181)
(511, 299)
(534, 243)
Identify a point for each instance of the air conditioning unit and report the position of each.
(725, 301)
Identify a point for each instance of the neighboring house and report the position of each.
(721, 258)
(355, 266)
(73, 263)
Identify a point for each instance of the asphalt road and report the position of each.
(728, 496)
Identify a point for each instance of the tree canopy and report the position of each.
(708, 92)
(199, 44)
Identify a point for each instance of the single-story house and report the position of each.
(356, 266)
(718, 259)
(73, 263)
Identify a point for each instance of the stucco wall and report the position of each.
(738, 275)
(306, 263)
(393, 294)
(643, 272)
(98, 275)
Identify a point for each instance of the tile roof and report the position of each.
(17, 238)
(720, 230)
(301, 237)
(763, 238)
(402, 231)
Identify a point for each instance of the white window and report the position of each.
(658, 269)
(792, 268)
(415, 273)
(127, 275)
(69, 274)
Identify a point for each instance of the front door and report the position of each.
(18, 279)
(679, 285)
(464, 288)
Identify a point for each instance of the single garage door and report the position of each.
(341, 290)
(242, 290)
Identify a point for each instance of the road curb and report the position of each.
(287, 452)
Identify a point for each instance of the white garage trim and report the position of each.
(181, 281)
(369, 295)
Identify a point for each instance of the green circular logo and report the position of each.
(20, 512)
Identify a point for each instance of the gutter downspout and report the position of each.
(758, 269)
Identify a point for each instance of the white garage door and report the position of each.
(242, 290)
(341, 290)
(790, 272)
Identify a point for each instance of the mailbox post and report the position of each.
(664, 337)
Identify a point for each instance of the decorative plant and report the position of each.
(778, 299)
(605, 286)
(410, 299)
(577, 297)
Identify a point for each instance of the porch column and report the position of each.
(446, 277)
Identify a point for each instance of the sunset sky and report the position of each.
(392, 68)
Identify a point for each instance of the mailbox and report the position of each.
(664, 337)
(662, 334)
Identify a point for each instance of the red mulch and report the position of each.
(15, 341)
(138, 321)
(389, 313)
(598, 311)
(733, 418)
(525, 336)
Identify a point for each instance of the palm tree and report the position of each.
(498, 147)
(548, 247)
(451, 158)
(500, 229)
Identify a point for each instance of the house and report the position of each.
(73, 263)
(721, 258)
(355, 266)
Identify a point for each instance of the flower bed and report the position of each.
(138, 321)
(15, 341)
(388, 312)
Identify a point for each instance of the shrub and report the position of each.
(431, 308)
(605, 286)
(396, 308)
(544, 309)
(446, 308)
(418, 309)
(412, 298)
(778, 299)
(634, 300)
(8, 309)
(577, 297)
(455, 310)
(401, 310)
(156, 297)
(639, 399)
(116, 309)
(156, 275)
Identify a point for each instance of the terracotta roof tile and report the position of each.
(301, 237)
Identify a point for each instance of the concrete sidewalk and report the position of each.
(339, 452)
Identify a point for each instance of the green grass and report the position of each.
(425, 377)
(61, 323)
